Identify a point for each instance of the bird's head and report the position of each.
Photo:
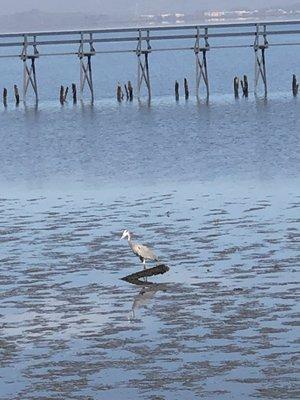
(126, 234)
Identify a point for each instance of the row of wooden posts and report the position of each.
(128, 90)
(244, 86)
(16, 94)
(127, 93)
(63, 93)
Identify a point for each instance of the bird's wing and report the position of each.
(145, 252)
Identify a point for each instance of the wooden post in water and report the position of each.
(295, 85)
(244, 84)
(61, 95)
(120, 94)
(66, 93)
(74, 93)
(176, 90)
(236, 83)
(17, 96)
(130, 90)
(126, 91)
(5, 97)
(186, 89)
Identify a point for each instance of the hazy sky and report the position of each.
(129, 6)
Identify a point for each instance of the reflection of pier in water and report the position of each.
(199, 39)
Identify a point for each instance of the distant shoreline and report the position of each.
(35, 20)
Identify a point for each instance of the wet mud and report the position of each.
(222, 323)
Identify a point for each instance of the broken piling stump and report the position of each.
(17, 96)
(120, 94)
(244, 84)
(295, 85)
(236, 83)
(130, 90)
(74, 93)
(5, 97)
(61, 95)
(176, 90)
(186, 89)
(126, 92)
(66, 94)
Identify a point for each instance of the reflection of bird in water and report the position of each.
(143, 252)
(144, 296)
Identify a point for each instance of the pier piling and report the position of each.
(61, 95)
(29, 71)
(295, 85)
(260, 58)
(86, 75)
(17, 96)
(201, 61)
(236, 83)
(5, 97)
(74, 93)
(126, 91)
(120, 94)
(143, 64)
(66, 94)
(244, 84)
(176, 90)
(186, 89)
(130, 90)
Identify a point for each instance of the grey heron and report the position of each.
(143, 252)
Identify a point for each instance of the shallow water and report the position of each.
(214, 188)
(221, 324)
(85, 147)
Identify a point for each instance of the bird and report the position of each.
(143, 252)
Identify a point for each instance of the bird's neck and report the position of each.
(130, 242)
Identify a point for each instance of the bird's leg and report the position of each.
(144, 263)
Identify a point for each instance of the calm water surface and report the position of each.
(214, 188)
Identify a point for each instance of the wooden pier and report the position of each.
(141, 42)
